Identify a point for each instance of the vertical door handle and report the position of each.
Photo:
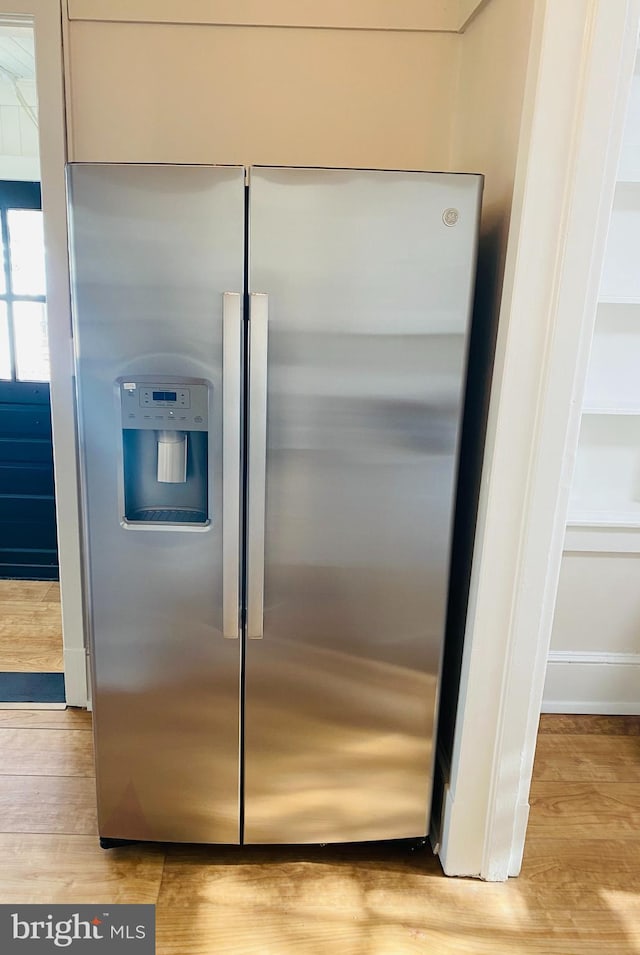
(258, 321)
(231, 410)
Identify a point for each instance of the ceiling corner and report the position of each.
(467, 11)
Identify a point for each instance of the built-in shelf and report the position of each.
(613, 409)
(602, 539)
(594, 644)
(606, 482)
(629, 165)
(611, 519)
(613, 379)
(604, 509)
(621, 275)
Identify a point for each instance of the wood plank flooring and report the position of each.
(30, 626)
(578, 893)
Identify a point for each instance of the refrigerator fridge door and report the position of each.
(154, 249)
(361, 330)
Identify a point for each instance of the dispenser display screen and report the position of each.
(158, 395)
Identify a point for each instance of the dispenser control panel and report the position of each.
(152, 398)
(161, 405)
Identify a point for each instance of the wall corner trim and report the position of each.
(581, 63)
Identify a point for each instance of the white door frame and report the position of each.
(581, 63)
(46, 16)
(580, 68)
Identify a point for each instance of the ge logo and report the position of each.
(450, 217)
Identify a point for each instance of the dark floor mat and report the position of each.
(31, 687)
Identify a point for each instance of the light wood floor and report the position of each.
(579, 892)
(30, 626)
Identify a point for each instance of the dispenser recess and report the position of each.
(165, 449)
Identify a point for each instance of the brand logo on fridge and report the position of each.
(65, 932)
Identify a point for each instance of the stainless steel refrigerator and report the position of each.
(270, 368)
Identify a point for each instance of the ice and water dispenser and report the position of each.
(165, 451)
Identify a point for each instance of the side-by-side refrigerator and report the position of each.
(271, 371)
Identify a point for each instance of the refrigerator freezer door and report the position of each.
(153, 251)
(369, 279)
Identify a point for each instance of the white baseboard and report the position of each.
(582, 682)
(520, 831)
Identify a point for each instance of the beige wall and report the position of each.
(488, 106)
(208, 94)
(179, 92)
